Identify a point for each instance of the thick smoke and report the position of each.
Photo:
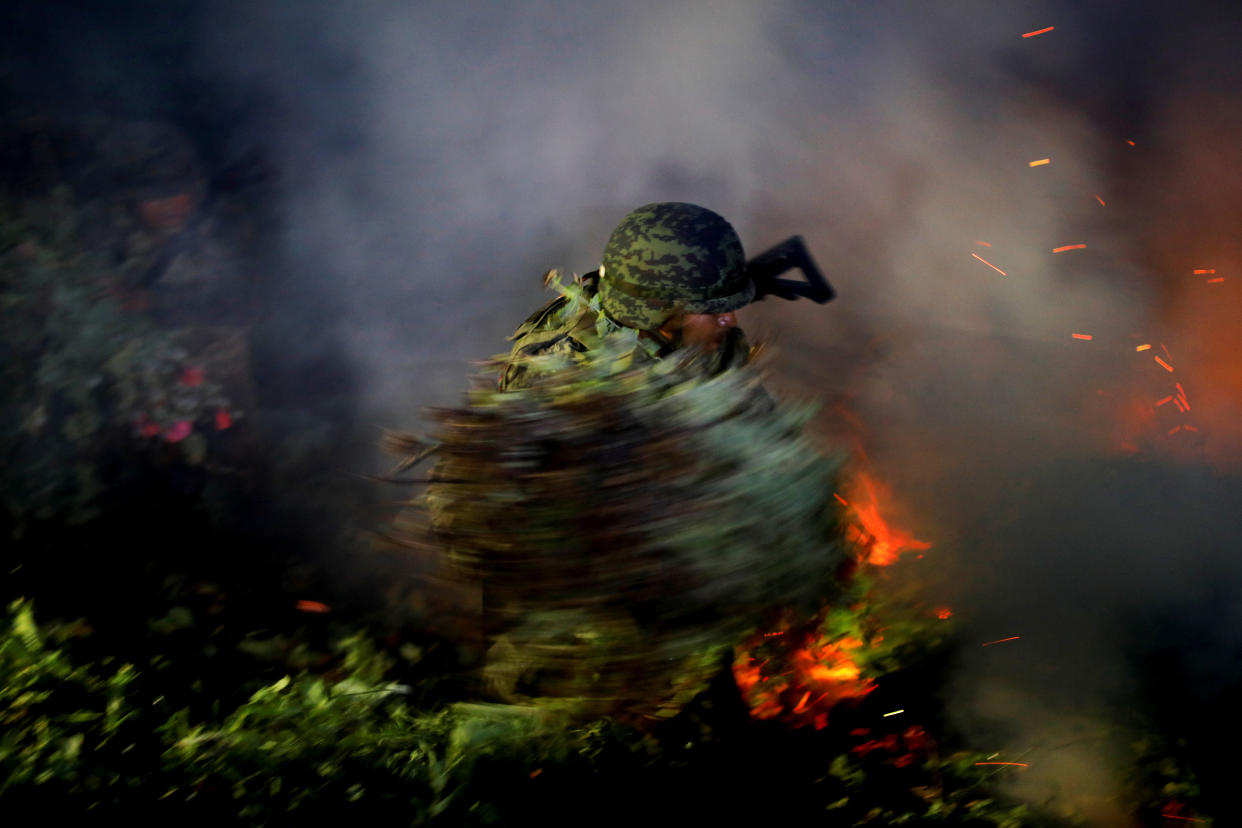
(448, 153)
(439, 157)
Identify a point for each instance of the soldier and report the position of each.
(618, 530)
(673, 275)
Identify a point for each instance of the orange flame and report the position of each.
(804, 687)
(883, 542)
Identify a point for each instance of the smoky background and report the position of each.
(433, 159)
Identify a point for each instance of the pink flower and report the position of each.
(178, 431)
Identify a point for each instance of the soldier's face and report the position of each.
(707, 330)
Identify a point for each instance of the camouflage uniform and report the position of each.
(663, 259)
(618, 524)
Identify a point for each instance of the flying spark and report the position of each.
(1039, 32)
(1041, 162)
(1165, 400)
(1217, 280)
(1008, 764)
(1204, 271)
(1081, 336)
(1164, 364)
(1002, 640)
(1143, 348)
(311, 606)
(1068, 247)
(1097, 198)
(1174, 430)
(894, 713)
(989, 264)
(985, 244)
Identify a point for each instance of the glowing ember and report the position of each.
(1068, 247)
(943, 613)
(1201, 272)
(803, 685)
(1041, 162)
(1216, 281)
(312, 606)
(1002, 640)
(1081, 336)
(1174, 430)
(1131, 143)
(1143, 348)
(989, 264)
(1039, 32)
(1097, 198)
(1166, 366)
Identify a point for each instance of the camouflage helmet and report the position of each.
(671, 257)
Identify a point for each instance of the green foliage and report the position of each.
(336, 736)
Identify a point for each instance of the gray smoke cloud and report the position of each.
(446, 154)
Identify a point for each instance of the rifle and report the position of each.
(764, 269)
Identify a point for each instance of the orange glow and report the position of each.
(989, 264)
(1164, 364)
(1002, 640)
(1131, 143)
(1097, 198)
(983, 243)
(1068, 247)
(1039, 32)
(1201, 272)
(819, 676)
(536, 772)
(312, 606)
(1142, 348)
(885, 542)
(1081, 336)
(944, 613)
(1216, 281)
(1041, 162)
